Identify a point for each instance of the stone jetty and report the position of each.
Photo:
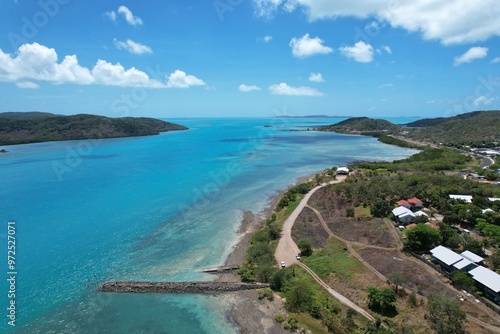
(178, 287)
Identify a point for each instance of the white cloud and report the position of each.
(35, 62)
(284, 89)
(180, 79)
(267, 39)
(387, 85)
(449, 21)
(111, 15)
(495, 60)
(305, 46)
(27, 84)
(132, 47)
(360, 52)
(38, 62)
(127, 15)
(316, 77)
(109, 74)
(473, 53)
(483, 101)
(387, 49)
(245, 88)
(266, 8)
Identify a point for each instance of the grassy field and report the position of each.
(334, 259)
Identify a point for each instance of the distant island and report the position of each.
(478, 129)
(33, 127)
(312, 116)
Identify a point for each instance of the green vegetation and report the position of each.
(22, 128)
(422, 238)
(462, 281)
(293, 194)
(382, 300)
(361, 125)
(478, 129)
(445, 315)
(305, 247)
(334, 259)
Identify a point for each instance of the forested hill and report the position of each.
(479, 128)
(474, 129)
(31, 127)
(361, 125)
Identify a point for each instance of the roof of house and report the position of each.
(462, 264)
(343, 169)
(471, 256)
(446, 255)
(411, 225)
(421, 213)
(487, 277)
(402, 202)
(493, 199)
(401, 211)
(414, 200)
(488, 210)
(432, 225)
(465, 198)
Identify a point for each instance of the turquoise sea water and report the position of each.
(148, 208)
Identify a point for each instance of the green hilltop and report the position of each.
(479, 128)
(472, 129)
(359, 125)
(31, 127)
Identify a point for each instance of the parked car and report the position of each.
(297, 256)
(283, 264)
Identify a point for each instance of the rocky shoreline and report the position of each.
(179, 287)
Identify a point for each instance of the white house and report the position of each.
(463, 198)
(403, 214)
(343, 171)
(488, 281)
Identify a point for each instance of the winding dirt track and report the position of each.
(287, 249)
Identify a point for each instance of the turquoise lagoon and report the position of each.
(148, 208)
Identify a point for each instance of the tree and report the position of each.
(396, 278)
(422, 238)
(472, 245)
(381, 300)
(380, 208)
(462, 280)
(349, 212)
(494, 259)
(305, 247)
(445, 315)
(300, 295)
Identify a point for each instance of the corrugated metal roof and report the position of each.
(471, 256)
(465, 198)
(462, 264)
(487, 277)
(446, 255)
(402, 211)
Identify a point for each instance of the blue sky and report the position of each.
(239, 58)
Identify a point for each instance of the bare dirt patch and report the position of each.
(309, 227)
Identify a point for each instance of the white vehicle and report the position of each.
(297, 256)
(283, 264)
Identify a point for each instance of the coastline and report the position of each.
(246, 310)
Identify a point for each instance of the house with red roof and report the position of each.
(415, 203)
(404, 203)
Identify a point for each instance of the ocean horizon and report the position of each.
(150, 208)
